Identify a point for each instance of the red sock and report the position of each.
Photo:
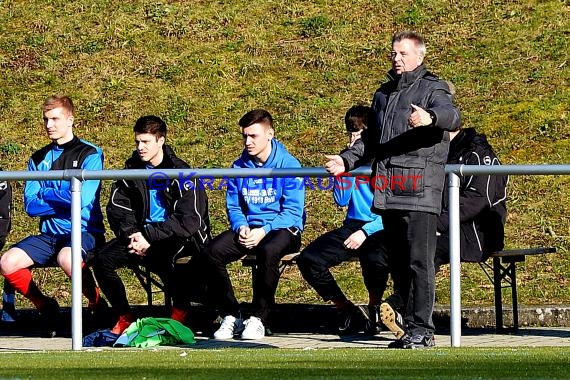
(22, 281)
(178, 314)
(124, 321)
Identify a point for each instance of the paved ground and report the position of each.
(527, 337)
(302, 327)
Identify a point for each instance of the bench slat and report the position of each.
(288, 259)
(523, 252)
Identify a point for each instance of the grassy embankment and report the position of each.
(201, 65)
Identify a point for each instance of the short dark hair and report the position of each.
(150, 124)
(256, 116)
(358, 118)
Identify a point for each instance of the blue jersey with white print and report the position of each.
(270, 203)
(51, 199)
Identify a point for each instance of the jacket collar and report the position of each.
(407, 78)
(68, 144)
(135, 161)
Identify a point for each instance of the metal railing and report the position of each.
(77, 176)
(453, 172)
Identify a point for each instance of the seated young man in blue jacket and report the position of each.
(155, 221)
(360, 235)
(266, 219)
(50, 200)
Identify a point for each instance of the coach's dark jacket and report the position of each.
(482, 199)
(187, 203)
(415, 154)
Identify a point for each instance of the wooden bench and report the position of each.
(148, 280)
(501, 271)
(152, 284)
(503, 274)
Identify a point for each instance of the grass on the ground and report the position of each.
(464, 363)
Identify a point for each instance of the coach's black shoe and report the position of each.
(351, 321)
(413, 342)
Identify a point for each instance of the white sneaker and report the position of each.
(229, 327)
(253, 330)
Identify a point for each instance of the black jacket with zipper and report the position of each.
(187, 205)
(482, 198)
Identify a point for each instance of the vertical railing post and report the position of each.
(76, 260)
(454, 259)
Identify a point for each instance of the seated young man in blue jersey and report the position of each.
(50, 200)
(154, 221)
(360, 235)
(266, 219)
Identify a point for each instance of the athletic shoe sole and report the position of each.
(388, 317)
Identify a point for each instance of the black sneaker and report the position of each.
(372, 325)
(392, 319)
(352, 321)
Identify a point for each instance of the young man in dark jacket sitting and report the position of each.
(482, 199)
(155, 222)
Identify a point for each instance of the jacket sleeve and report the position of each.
(447, 116)
(361, 153)
(373, 226)
(342, 190)
(120, 213)
(474, 195)
(61, 196)
(34, 204)
(234, 211)
(187, 216)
